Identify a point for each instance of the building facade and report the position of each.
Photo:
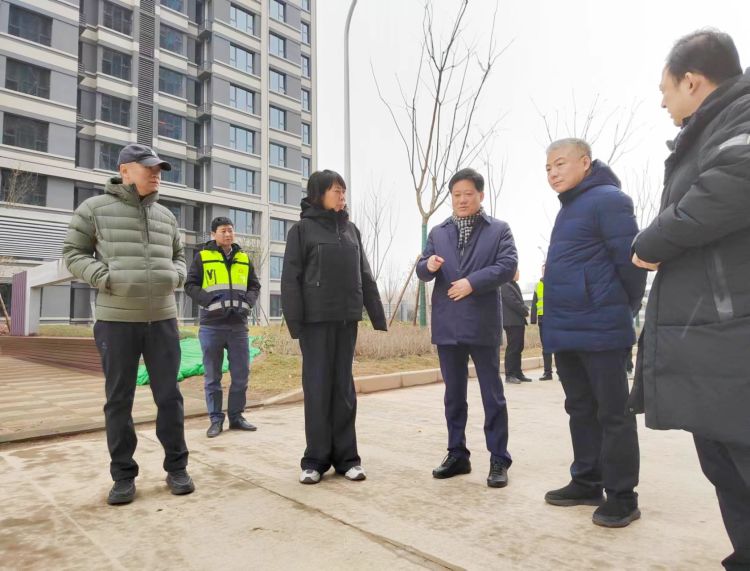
(222, 89)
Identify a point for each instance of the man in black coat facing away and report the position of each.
(692, 364)
(514, 325)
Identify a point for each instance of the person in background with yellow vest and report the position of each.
(223, 282)
(537, 313)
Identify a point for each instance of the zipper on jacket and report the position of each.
(148, 258)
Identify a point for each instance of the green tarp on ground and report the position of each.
(191, 363)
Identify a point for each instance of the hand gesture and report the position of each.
(434, 263)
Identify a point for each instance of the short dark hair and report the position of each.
(467, 174)
(708, 52)
(221, 221)
(319, 182)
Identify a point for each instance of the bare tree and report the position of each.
(377, 222)
(436, 119)
(257, 251)
(390, 280)
(18, 187)
(495, 182)
(617, 123)
(645, 191)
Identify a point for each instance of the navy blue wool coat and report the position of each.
(489, 260)
(591, 288)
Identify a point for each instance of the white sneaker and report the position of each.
(355, 473)
(309, 477)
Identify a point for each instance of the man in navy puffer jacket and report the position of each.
(591, 294)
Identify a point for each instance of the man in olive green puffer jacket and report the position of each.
(127, 246)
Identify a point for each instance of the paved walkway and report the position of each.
(250, 512)
(41, 400)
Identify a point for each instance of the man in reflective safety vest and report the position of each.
(537, 316)
(222, 281)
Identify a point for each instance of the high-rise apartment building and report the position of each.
(222, 89)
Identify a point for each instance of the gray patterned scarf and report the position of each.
(465, 225)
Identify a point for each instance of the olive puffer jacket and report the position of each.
(128, 248)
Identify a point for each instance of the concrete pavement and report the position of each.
(249, 512)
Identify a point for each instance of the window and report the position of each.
(170, 125)
(175, 175)
(109, 154)
(25, 132)
(306, 167)
(241, 99)
(305, 4)
(277, 118)
(245, 221)
(175, 208)
(275, 306)
(242, 19)
(277, 45)
(276, 265)
(278, 155)
(118, 18)
(277, 192)
(305, 100)
(80, 194)
(19, 187)
(115, 110)
(27, 78)
(241, 139)
(242, 180)
(116, 64)
(278, 10)
(170, 39)
(306, 136)
(278, 81)
(279, 229)
(30, 25)
(305, 66)
(305, 29)
(240, 59)
(171, 82)
(173, 4)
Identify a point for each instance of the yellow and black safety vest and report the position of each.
(540, 298)
(226, 280)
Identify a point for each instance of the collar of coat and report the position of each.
(600, 175)
(722, 96)
(128, 193)
(212, 245)
(482, 215)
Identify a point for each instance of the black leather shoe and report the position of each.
(575, 494)
(512, 380)
(240, 423)
(180, 483)
(546, 377)
(122, 492)
(215, 429)
(498, 477)
(525, 379)
(616, 512)
(452, 466)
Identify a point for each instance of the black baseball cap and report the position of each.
(142, 154)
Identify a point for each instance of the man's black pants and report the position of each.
(330, 397)
(121, 345)
(546, 357)
(727, 466)
(514, 343)
(605, 437)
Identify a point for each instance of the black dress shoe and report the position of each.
(215, 429)
(575, 494)
(240, 423)
(512, 380)
(525, 379)
(498, 476)
(546, 377)
(616, 512)
(122, 492)
(180, 483)
(452, 466)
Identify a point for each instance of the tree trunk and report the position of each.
(422, 288)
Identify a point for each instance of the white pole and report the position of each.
(347, 126)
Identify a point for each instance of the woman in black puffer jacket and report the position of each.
(325, 283)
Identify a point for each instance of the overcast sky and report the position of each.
(559, 50)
